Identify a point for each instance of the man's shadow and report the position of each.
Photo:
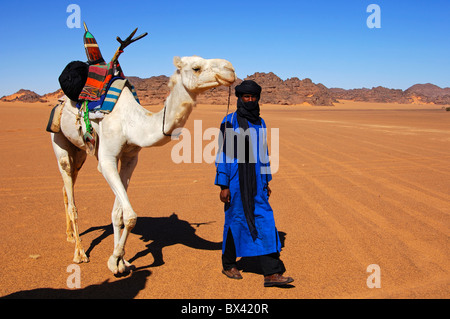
(159, 232)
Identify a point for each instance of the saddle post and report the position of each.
(125, 43)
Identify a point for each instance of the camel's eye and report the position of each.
(196, 69)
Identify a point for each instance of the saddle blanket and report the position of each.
(108, 100)
(98, 79)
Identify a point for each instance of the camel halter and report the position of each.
(164, 120)
(178, 135)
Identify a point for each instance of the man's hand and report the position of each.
(269, 191)
(225, 195)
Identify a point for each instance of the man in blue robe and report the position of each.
(243, 174)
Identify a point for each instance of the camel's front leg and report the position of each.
(122, 206)
(116, 263)
(128, 164)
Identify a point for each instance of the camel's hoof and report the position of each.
(118, 265)
(80, 257)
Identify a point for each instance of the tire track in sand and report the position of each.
(394, 190)
(380, 224)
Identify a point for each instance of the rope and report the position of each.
(229, 95)
(86, 117)
(164, 119)
(226, 115)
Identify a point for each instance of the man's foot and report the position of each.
(276, 280)
(232, 273)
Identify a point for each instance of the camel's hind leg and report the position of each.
(70, 160)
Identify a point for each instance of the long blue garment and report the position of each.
(227, 174)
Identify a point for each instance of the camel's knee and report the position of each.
(64, 164)
(72, 213)
(117, 216)
(130, 223)
(129, 219)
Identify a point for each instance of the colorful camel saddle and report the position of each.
(96, 86)
(98, 80)
(98, 108)
(106, 102)
(105, 81)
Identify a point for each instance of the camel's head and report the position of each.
(198, 74)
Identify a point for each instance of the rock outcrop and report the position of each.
(23, 96)
(416, 94)
(154, 91)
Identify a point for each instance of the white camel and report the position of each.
(122, 134)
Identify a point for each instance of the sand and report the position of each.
(358, 184)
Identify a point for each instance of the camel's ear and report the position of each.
(177, 62)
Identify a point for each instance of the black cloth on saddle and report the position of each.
(73, 78)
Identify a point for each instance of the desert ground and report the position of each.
(358, 184)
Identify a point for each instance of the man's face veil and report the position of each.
(249, 110)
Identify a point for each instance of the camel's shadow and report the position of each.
(160, 232)
(126, 288)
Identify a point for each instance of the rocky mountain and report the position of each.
(429, 90)
(416, 94)
(291, 91)
(23, 96)
(377, 94)
(54, 96)
(430, 93)
(154, 91)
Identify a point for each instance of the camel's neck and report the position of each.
(178, 105)
(148, 129)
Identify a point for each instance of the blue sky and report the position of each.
(327, 41)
